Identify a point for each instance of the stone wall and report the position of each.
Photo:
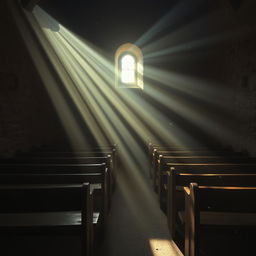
(227, 73)
(26, 115)
(239, 70)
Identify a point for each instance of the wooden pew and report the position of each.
(81, 157)
(184, 153)
(217, 177)
(165, 163)
(48, 208)
(85, 153)
(209, 168)
(154, 147)
(67, 160)
(62, 169)
(98, 182)
(216, 206)
(64, 150)
(171, 147)
(157, 154)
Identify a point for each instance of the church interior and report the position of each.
(128, 128)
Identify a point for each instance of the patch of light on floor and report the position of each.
(163, 247)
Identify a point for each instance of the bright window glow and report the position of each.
(128, 69)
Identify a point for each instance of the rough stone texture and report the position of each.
(240, 74)
(25, 110)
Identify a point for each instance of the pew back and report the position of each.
(203, 199)
(177, 180)
(48, 208)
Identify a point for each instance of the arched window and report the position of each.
(129, 67)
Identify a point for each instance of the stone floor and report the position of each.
(136, 225)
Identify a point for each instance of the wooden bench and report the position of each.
(48, 208)
(98, 182)
(86, 153)
(166, 162)
(109, 157)
(169, 147)
(216, 206)
(157, 154)
(177, 180)
(208, 168)
(67, 160)
(61, 168)
(153, 147)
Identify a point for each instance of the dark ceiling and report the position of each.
(108, 24)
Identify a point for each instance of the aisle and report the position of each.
(136, 222)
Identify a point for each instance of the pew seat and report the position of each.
(43, 219)
(48, 209)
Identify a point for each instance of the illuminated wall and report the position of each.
(197, 85)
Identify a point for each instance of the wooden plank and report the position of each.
(41, 219)
(34, 207)
(224, 218)
(233, 198)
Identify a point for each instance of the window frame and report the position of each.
(135, 52)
